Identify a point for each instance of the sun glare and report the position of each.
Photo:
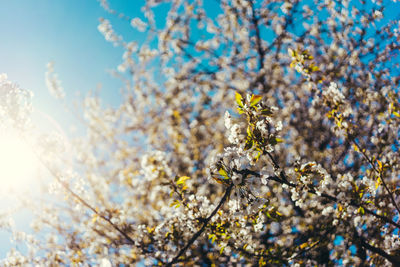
(18, 163)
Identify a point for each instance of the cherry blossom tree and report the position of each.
(262, 133)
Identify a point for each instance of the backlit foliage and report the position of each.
(261, 132)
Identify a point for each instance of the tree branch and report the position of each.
(203, 227)
(260, 50)
(283, 180)
(334, 199)
(81, 200)
(394, 260)
(379, 173)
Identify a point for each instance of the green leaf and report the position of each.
(361, 210)
(261, 262)
(239, 99)
(378, 182)
(182, 180)
(257, 157)
(379, 164)
(314, 68)
(175, 204)
(223, 173)
(254, 100)
(249, 144)
(212, 237)
(249, 134)
(356, 148)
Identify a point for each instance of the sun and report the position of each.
(18, 162)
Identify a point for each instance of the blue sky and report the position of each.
(34, 33)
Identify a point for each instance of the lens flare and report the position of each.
(18, 163)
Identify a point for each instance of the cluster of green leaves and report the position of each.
(255, 111)
(179, 187)
(223, 176)
(304, 59)
(219, 231)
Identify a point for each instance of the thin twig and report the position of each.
(283, 180)
(379, 173)
(334, 199)
(203, 227)
(394, 260)
(81, 200)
